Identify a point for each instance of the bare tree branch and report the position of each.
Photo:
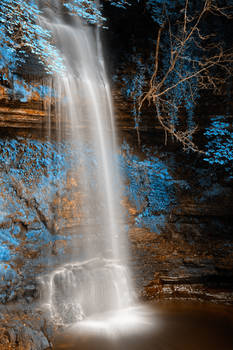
(202, 75)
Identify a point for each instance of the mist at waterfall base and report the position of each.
(176, 325)
(93, 290)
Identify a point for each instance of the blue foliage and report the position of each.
(86, 9)
(4, 253)
(120, 3)
(34, 176)
(7, 273)
(24, 91)
(184, 93)
(220, 143)
(21, 34)
(21, 92)
(150, 188)
(35, 168)
(133, 83)
(156, 8)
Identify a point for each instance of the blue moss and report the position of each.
(23, 91)
(4, 253)
(7, 273)
(133, 83)
(150, 188)
(34, 169)
(219, 149)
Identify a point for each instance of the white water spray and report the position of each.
(100, 282)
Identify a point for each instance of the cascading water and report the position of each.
(99, 281)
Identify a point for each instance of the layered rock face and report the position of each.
(178, 207)
(180, 214)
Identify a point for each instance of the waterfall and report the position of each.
(99, 280)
